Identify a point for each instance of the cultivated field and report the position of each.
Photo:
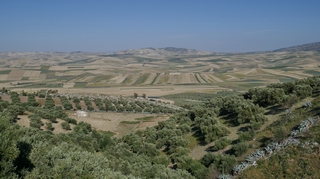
(152, 71)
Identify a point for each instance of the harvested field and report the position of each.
(280, 73)
(68, 85)
(232, 78)
(193, 79)
(42, 76)
(199, 78)
(58, 68)
(15, 75)
(163, 78)
(183, 78)
(32, 74)
(109, 121)
(207, 77)
(119, 78)
(3, 77)
(151, 78)
(227, 70)
(187, 78)
(215, 78)
(174, 78)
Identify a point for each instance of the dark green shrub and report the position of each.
(240, 148)
(246, 136)
(221, 143)
(65, 126)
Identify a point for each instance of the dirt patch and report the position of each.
(23, 120)
(40, 101)
(109, 121)
(151, 123)
(23, 99)
(57, 101)
(6, 98)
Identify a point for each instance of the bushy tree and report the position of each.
(265, 96)
(83, 127)
(49, 103)
(289, 100)
(224, 163)
(65, 126)
(35, 121)
(49, 126)
(246, 136)
(8, 149)
(195, 167)
(280, 133)
(15, 97)
(221, 143)
(240, 148)
(65, 161)
(302, 91)
(210, 128)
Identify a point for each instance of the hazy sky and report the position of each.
(112, 25)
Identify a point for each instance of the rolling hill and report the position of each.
(305, 47)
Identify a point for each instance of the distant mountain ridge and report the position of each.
(166, 51)
(157, 52)
(305, 47)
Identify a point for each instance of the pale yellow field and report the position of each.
(15, 75)
(3, 77)
(108, 121)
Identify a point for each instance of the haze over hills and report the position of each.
(163, 70)
(159, 52)
(305, 47)
(184, 51)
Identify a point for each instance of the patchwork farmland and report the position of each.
(154, 70)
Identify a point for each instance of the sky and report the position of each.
(114, 25)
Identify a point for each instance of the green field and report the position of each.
(4, 72)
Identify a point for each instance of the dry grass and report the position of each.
(109, 121)
(23, 120)
(16, 75)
